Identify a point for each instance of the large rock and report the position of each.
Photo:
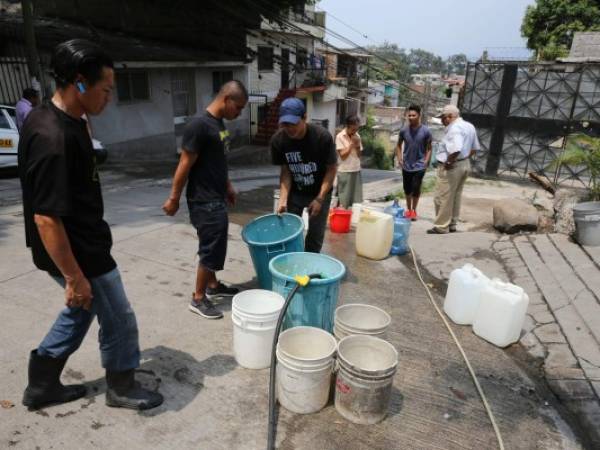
(514, 215)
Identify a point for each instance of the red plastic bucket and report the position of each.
(339, 220)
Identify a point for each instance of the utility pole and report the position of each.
(425, 109)
(33, 60)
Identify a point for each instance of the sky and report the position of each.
(444, 27)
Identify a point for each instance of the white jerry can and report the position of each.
(463, 294)
(501, 313)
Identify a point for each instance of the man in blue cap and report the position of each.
(308, 160)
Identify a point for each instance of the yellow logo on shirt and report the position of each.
(223, 135)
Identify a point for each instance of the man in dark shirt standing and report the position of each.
(308, 160)
(203, 165)
(64, 226)
(414, 159)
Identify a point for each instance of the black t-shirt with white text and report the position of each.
(207, 136)
(59, 178)
(306, 158)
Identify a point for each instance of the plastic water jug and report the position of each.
(401, 229)
(374, 234)
(393, 209)
(464, 293)
(501, 313)
(356, 209)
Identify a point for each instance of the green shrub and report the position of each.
(376, 149)
(583, 151)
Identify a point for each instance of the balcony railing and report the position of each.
(305, 78)
(309, 17)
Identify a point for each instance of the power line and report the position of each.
(346, 24)
(302, 31)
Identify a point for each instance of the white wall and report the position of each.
(122, 122)
(269, 82)
(239, 128)
(324, 110)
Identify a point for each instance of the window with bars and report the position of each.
(265, 58)
(219, 78)
(132, 85)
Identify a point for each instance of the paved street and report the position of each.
(210, 401)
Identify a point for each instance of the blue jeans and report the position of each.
(118, 335)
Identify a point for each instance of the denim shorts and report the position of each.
(212, 224)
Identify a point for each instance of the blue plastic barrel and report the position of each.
(270, 236)
(401, 230)
(313, 305)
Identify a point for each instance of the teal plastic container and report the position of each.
(313, 305)
(270, 236)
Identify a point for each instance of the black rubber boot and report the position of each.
(124, 392)
(44, 386)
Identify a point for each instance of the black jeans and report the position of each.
(316, 225)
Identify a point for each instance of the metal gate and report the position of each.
(14, 74)
(523, 112)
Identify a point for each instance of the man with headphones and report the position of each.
(68, 237)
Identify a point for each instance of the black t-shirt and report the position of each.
(307, 158)
(207, 136)
(59, 178)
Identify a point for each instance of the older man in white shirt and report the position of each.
(459, 143)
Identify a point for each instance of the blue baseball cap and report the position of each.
(291, 110)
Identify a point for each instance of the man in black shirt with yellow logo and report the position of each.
(203, 165)
(69, 239)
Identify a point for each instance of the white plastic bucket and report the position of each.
(364, 380)
(587, 222)
(254, 314)
(304, 368)
(356, 318)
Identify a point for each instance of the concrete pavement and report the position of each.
(211, 403)
(561, 278)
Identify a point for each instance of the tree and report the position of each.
(549, 25)
(422, 61)
(456, 64)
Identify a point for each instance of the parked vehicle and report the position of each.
(9, 139)
(9, 136)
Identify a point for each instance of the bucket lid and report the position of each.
(367, 355)
(257, 302)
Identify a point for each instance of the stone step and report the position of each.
(550, 288)
(581, 261)
(578, 293)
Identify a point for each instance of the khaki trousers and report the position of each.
(448, 193)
